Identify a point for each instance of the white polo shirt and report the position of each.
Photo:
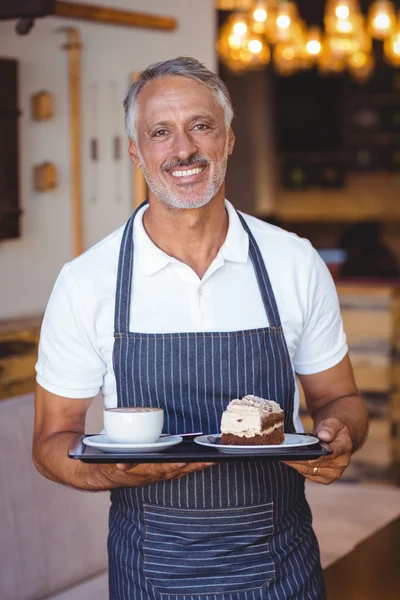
(76, 343)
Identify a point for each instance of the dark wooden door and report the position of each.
(9, 180)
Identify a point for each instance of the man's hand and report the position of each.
(59, 422)
(337, 435)
(146, 473)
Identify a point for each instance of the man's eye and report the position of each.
(200, 127)
(160, 133)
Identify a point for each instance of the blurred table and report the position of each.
(371, 571)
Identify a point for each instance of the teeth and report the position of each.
(187, 173)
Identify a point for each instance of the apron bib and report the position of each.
(235, 531)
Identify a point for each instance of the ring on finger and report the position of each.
(315, 471)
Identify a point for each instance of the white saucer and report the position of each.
(292, 440)
(103, 442)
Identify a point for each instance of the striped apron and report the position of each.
(237, 530)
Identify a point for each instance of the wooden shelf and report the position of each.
(19, 341)
(371, 317)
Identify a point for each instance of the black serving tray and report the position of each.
(188, 451)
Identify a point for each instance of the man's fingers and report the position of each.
(326, 435)
(161, 471)
(324, 476)
(305, 469)
(325, 462)
(125, 466)
(324, 473)
(191, 467)
(309, 470)
(342, 445)
(327, 469)
(328, 429)
(144, 468)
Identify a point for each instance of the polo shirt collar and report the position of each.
(236, 245)
(152, 259)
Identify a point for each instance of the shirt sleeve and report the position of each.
(68, 362)
(323, 341)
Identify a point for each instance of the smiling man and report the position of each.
(196, 173)
(190, 305)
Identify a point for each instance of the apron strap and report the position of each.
(125, 269)
(124, 277)
(263, 280)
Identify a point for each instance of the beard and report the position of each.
(190, 198)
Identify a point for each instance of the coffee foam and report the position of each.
(133, 409)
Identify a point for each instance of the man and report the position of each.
(205, 305)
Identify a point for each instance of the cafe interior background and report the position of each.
(316, 92)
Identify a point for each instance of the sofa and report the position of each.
(52, 538)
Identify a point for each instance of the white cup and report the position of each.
(133, 425)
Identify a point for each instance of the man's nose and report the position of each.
(185, 145)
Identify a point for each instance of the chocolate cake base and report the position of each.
(275, 438)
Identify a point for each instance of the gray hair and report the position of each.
(182, 66)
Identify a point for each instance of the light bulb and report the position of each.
(344, 26)
(285, 59)
(314, 47)
(239, 47)
(342, 17)
(358, 59)
(314, 41)
(240, 28)
(283, 21)
(288, 53)
(342, 11)
(361, 66)
(255, 46)
(287, 14)
(235, 41)
(381, 19)
(391, 47)
(260, 15)
(341, 47)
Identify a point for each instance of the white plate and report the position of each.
(102, 442)
(292, 440)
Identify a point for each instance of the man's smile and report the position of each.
(187, 174)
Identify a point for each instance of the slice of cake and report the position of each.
(252, 421)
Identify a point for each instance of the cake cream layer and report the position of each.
(251, 426)
(253, 405)
(251, 416)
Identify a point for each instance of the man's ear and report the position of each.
(231, 140)
(134, 154)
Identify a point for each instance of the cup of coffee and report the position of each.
(133, 424)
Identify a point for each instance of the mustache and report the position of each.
(193, 159)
